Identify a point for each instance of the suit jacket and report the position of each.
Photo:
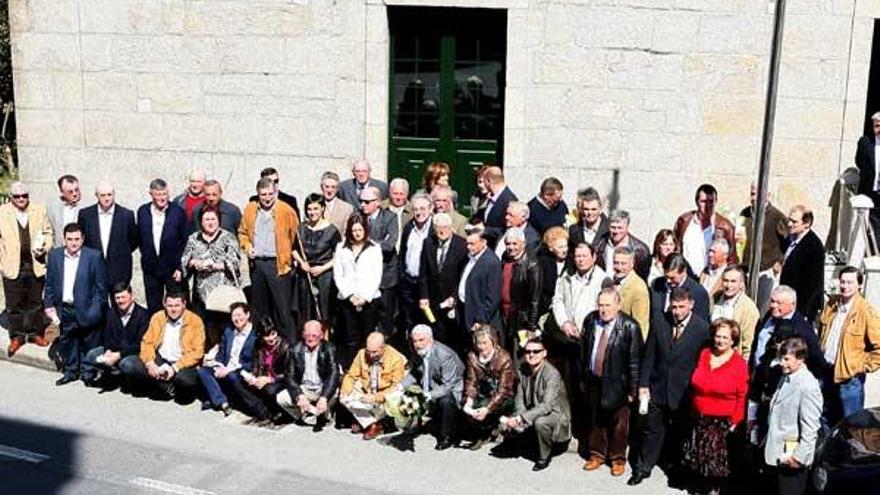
(641, 250)
(620, 369)
(384, 231)
(576, 232)
(635, 301)
(542, 394)
(328, 369)
(865, 162)
(795, 410)
(494, 222)
(437, 285)
(406, 215)
(348, 191)
(338, 214)
(482, 302)
(230, 216)
(125, 339)
(459, 223)
(549, 276)
(803, 271)
(122, 242)
(716, 287)
(404, 244)
(445, 368)
(667, 365)
(55, 211)
(658, 299)
(171, 245)
(224, 349)
(89, 286)
(10, 244)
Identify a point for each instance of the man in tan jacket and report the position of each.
(635, 300)
(25, 238)
(731, 302)
(849, 333)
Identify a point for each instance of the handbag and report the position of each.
(224, 296)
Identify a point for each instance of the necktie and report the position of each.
(426, 376)
(442, 257)
(676, 334)
(600, 352)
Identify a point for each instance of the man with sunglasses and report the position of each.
(25, 238)
(289, 199)
(384, 230)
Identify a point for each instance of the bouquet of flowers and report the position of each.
(406, 406)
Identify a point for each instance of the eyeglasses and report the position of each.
(21, 196)
(532, 351)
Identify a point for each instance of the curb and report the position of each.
(29, 354)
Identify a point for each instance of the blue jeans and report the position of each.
(90, 367)
(214, 386)
(74, 341)
(852, 395)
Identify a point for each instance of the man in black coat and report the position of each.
(675, 269)
(866, 161)
(412, 241)
(384, 230)
(593, 223)
(493, 215)
(521, 276)
(671, 354)
(444, 256)
(124, 329)
(479, 289)
(110, 229)
(313, 378)
(160, 258)
(804, 264)
(611, 345)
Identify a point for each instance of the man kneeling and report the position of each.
(313, 378)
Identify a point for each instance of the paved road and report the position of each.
(74, 440)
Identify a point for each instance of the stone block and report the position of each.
(674, 31)
(810, 158)
(50, 128)
(732, 114)
(724, 74)
(613, 28)
(868, 8)
(235, 84)
(37, 51)
(736, 34)
(862, 38)
(46, 16)
(808, 118)
(33, 89)
(288, 136)
(171, 93)
(377, 24)
(121, 16)
(643, 70)
(190, 132)
(809, 78)
(569, 64)
(124, 130)
(225, 18)
(304, 86)
(802, 39)
(250, 54)
(68, 89)
(544, 107)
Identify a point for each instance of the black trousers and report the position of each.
(271, 296)
(185, 381)
(354, 326)
(74, 341)
(257, 402)
(790, 481)
(388, 311)
(409, 312)
(24, 304)
(662, 435)
(445, 411)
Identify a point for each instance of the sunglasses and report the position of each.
(21, 196)
(533, 351)
(366, 201)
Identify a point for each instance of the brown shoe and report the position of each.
(14, 345)
(39, 340)
(593, 463)
(618, 468)
(373, 431)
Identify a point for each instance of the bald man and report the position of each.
(361, 178)
(313, 378)
(493, 216)
(110, 229)
(194, 195)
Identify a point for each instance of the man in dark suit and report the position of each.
(671, 353)
(593, 224)
(866, 161)
(493, 215)
(109, 228)
(124, 329)
(517, 218)
(162, 229)
(282, 196)
(804, 263)
(444, 255)
(383, 230)
(479, 289)
(412, 241)
(230, 215)
(76, 295)
(350, 190)
(675, 269)
(547, 209)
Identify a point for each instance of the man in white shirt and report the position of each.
(696, 229)
(66, 210)
(710, 278)
(413, 239)
(577, 292)
(111, 229)
(398, 203)
(479, 291)
(313, 379)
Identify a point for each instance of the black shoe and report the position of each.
(65, 379)
(541, 464)
(227, 411)
(206, 405)
(636, 478)
(443, 444)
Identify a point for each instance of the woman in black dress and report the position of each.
(316, 242)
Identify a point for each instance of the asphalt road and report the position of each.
(74, 440)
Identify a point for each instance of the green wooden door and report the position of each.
(446, 92)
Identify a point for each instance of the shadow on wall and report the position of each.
(35, 458)
(614, 194)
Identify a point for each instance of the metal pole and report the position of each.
(760, 205)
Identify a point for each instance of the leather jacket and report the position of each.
(525, 294)
(328, 369)
(620, 371)
(498, 375)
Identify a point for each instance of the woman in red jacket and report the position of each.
(719, 385)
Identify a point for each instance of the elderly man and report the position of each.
(444, 256)
(376, 369)
(441, 195)
(25, 238)
(336, 210)
(267, 234)
(675, 270)
(517, 217)
(230, 215)
(350, 190)
(76, 295)
(593, 223)
(171, 351)
(194, 194)
(110, 229)
(775, 231)
(313, 378)
(162, 231)
(520, 291)
(540, 410)
(415, 233)
(694, 230)
(635, 299)
(733, 303)
(66, 209)
(289, 199)
(866, 161)
(479, 288)
(710, 278)
(804, 262)
(493, 216)
(547, 209)
(619, 235)
(440, 373)
(576, 291)
(383, 231)
(399, 204)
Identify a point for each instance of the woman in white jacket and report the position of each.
(357, 272)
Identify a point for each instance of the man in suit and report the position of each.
(230, 215)
(619, 235)
(675, 270)
(398, 203)
(710, 278)
(733, 303)
(110, 229)
(350, 190)
(76, 295)
(313, 378)
(288, 199)
(804, 263)
(124, 328)
(869, 181)
(162, 231)
(775, 231)
(383, 230)
(413, 238)
(547, 209)
(541, 410)
(66, 209)
(194, 194)
(593, 224)
(235, 354)
(444, 256)
(671, 353)
(336, 210)
(479, 288)
(441, 195)
(695, 229)
(493, 216)
(25, 238)
(635, 300)
(440, 373)
(517, 217)
(611, 347)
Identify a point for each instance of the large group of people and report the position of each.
(528, 323)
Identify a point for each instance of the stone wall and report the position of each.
(659, 94)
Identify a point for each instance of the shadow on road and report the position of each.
(35, 458)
